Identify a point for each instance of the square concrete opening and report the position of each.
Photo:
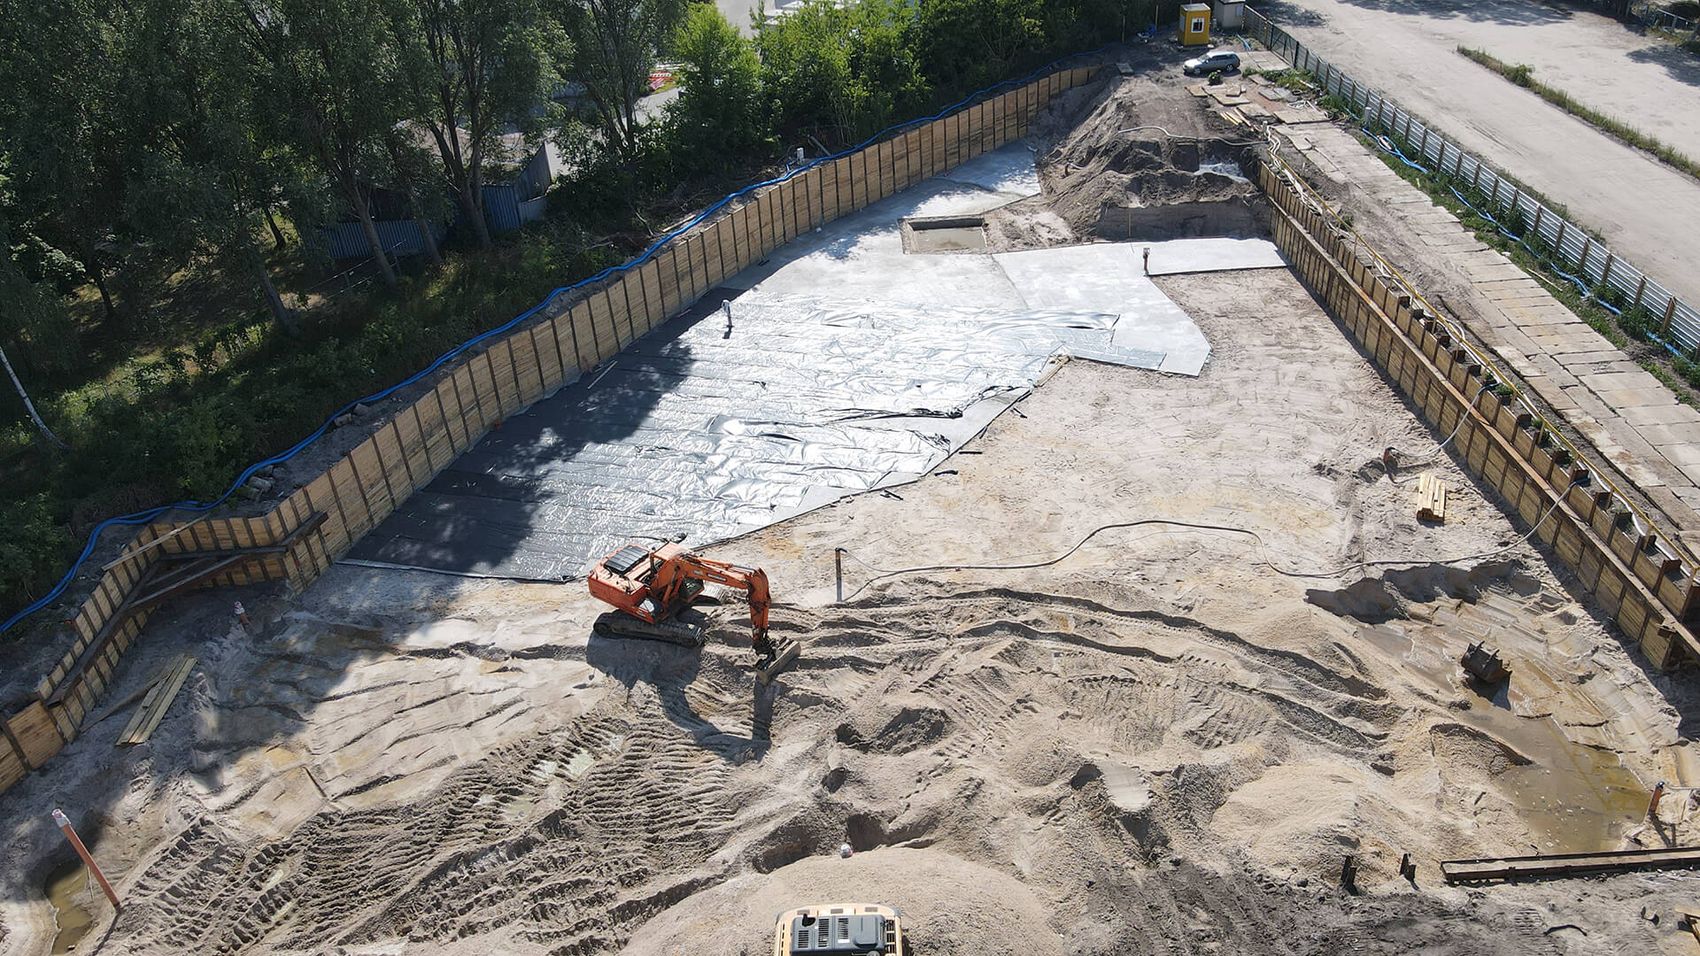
(944, 234)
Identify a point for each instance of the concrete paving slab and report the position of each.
(1635, 378)
(1625, 398)
(1105, 277)
(1574, 359)
(1658, 415)
(1681, 454)
(1183, 256)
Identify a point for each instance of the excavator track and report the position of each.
(616, 624)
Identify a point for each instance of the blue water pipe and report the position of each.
(143, 517)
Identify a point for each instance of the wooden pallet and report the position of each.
(1431, 497)
(156, 703)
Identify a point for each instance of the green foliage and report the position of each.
(841, 73)
(32, 551)
(616, 42)
(972, 43)
(719, 118)
(143, 302)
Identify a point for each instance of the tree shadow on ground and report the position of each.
(1679, 64)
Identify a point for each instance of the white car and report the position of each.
(1222, 61)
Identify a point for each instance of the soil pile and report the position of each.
(1134, 164)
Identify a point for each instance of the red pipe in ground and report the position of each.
(64, 822)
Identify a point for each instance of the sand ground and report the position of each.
(1164, 740)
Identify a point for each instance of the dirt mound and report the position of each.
(951, 906)
(1137, 168)
(1469, 749)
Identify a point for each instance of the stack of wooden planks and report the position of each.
(1431, 497)
(157, 702)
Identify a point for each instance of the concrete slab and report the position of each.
(1658, 415)
(1183, 256)
(1626, 398)
(1105, 277)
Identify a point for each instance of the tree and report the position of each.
(65, 163)
(474, 68)
(969, 44)
(719, 116)
(197, 176)
(841, 72)
(324, 72)
(615, 43)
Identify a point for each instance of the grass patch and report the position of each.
(1523, 75)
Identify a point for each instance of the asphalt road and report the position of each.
(1647, 212)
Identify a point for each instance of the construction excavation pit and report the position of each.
(1118, 633)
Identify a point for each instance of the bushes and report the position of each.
(839, 73)
(32, 551)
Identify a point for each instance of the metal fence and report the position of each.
(1658, 18)
(1614, 281)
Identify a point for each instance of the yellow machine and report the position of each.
(838, 929)
(1195, 24)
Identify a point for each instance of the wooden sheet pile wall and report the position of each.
(566, 341)
(1635, 578)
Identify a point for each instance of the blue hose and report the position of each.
(143, 517)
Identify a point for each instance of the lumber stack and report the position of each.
(1431, 497)
(157, 702)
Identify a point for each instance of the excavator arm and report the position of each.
(649, 587)
(752, 581)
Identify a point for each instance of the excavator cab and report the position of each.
(651, 587)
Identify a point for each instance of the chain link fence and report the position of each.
(1590, 264)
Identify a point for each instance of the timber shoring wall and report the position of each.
(1641, 585)
(407, 451)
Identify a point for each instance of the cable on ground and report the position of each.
(1263, 560)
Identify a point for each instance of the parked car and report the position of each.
(1216, 61)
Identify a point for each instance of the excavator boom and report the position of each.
(649, 587)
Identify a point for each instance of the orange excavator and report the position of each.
(650, 587)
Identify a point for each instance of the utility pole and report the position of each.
(29, 406)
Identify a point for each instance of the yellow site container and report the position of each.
(1195, 24)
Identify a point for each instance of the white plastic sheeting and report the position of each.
(847, 366)
(708, 432)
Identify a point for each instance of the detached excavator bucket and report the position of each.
(787, 656)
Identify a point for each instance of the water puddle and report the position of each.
(1569, 788)
(1574, 798)
(64, 886)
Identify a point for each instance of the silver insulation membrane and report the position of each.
(848, 367)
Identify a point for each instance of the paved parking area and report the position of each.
(1645, 210)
